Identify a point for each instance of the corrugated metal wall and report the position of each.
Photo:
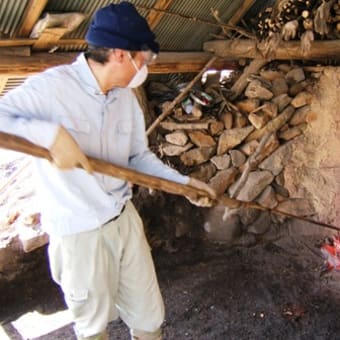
(11, 12)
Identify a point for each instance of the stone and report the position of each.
(227, 119)
(281, 190)
(296, 206)
(196, 111)
(302, 99)
(258, 120)
(267, 198)
(297, 88)
(223, 179)
(282, 101)
(255, 89)
(231, 138)
(278, 159)
(293, 132)
(261, 224)
(280, 179)
(240, 120)
(271, 145)
(237, 158)
(177, 138)
(248, 105)
(295, 75)
(216, 128)
(174, 150)
(300, 115)
(284, 67)
(255, 184)
(221, 162)
(270, 75)
(270, 109)
(201, 139)
(284, 128)
(197, 156)
(279, 86)
(249, 147)
(205, 172)
(248, 215)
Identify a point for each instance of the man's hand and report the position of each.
(201, 201)
(66, 153)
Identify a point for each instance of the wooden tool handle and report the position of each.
(19, 144)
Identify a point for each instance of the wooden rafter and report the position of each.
(49, 38)
(154, 17)
(241, 11)
(287, 50)
(31, 15)
(31, 42)
(167, 62)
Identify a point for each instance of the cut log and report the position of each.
(172, 126)
(246, 48)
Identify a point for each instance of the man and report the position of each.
(98, 251)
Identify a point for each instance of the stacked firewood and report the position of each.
(301, 19)
(240, 147)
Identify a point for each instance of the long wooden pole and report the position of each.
(19, 144)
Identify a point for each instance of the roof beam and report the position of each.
(241, 11)
(155, 17)
(287, 50)
(167, 62)
(31, 15)
(49, 38)
(31, 42)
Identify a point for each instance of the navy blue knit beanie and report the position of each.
(121, 26)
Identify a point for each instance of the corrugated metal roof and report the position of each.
(11, 12)
(180, 34)
(173, 33)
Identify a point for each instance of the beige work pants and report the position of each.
(109, 273)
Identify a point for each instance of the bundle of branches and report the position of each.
(300, 19)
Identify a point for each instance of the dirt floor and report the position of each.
(270, 291)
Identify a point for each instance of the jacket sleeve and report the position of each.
(24, 112)
(143, 160)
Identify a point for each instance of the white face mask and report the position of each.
(139, 78)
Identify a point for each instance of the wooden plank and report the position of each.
(22, 51)
(241, 11)
(49, 38)
(167, 62)
(154, 17)
(31, 42)
(247, 48)
(31, 15)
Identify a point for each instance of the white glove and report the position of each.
(201, 201)
(289, 30)
(66, 153)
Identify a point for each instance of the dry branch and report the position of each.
(180, 97)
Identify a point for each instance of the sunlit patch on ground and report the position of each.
(33, 324)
